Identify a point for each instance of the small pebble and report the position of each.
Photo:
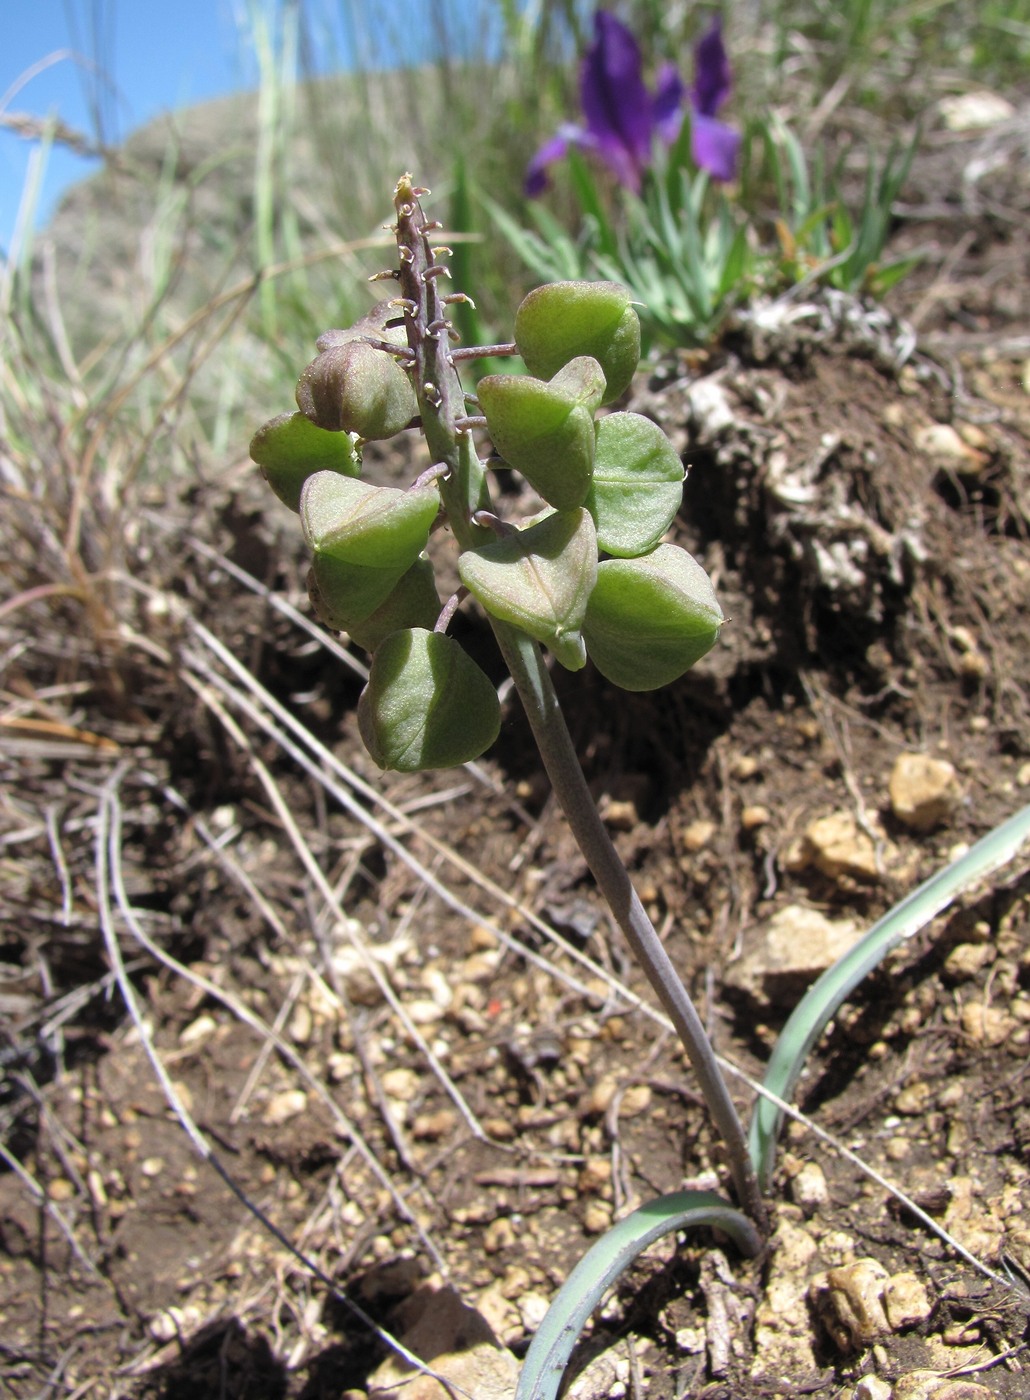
(283, 1106)
(698, 834)
(808, 1188)
(597, 1217)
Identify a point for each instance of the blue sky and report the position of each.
(155, 57)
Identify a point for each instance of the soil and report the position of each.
(414, 1083)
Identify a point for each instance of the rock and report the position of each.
(929, 1385)
(975, 111)
(974, 1222)
(941, 442)
(457, 1342)
(597, 1217)
(619, 815)
(797, 944)
(924, 791)
(431, 1127)
(281, 1107)
(838, 847)
(906, 1301)
(966, 959)
(596, 1175)
(871, 1388)
(709, 409)
(499, 1235)
(985, 1024)
(850, 1302)
(197, 1030)
(697, 834)
(783, 1334)
(605, 1378)
(400, 1083)
(808, 1188)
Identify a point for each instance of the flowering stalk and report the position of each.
(645, 614)
(442, 406)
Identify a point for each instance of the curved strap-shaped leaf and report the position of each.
(602, 1264)
(822, 1000)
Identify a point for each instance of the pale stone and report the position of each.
(532, 1308)
(780, 1348)
(872, 1388)
(941, 441)
(198, 1030)
(797, 945)
(400, 1083)
(697, 834)
(924, 791)
(619, 815)
(605, 1378)
(281, 1107)
(905, 1300)
(985, 1024)
(302, 1024)
(914, 1100)
(431, 1127)
(849, 1299)
(931, 1385)
(975, 111)
(808, 1188)
(457, 1342)
(636, 1100)
(500, 1313)
(966, 959)
(499, 1235)
(839, 847)
(596, 1175)
(599, 1098)
(597, 1217)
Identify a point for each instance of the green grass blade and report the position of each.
(822, 1001)
(601, 1266)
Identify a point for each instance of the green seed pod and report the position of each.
(637, 485)
(650, 619)
(354, 387)
(427, 704)
(374, 526)
(382, 322)
(290, 448)
(539, 579)
(413, 603)
(546, 431)
(562, 320)
(346, 595)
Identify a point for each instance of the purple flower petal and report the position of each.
(714, 146)
(616, 104)
(712, 76)
(536, 179)
(667, 104)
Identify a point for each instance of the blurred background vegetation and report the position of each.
(170, 303)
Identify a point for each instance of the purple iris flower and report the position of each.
(623, 118)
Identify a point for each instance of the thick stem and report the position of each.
(524, 661)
